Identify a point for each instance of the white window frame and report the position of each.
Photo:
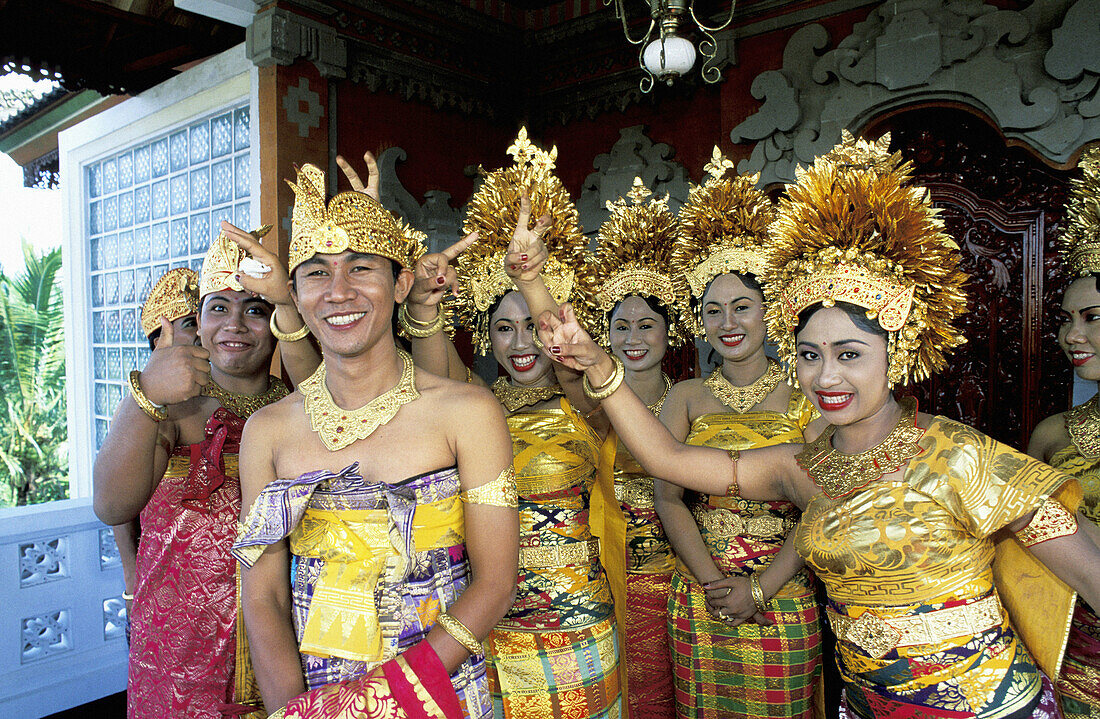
(220, 82)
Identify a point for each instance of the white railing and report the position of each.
(61, 610)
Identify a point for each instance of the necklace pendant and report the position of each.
(742, 399)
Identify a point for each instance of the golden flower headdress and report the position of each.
(633, 257)
(222, 263)
(175, 295)
(1080, 241)
(493, 213)
(723, 228)
(349, 221)
(851, 230)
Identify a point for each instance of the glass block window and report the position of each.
(150, 208)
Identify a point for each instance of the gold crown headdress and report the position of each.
(175, 295)
(350, 221)
(633, 257)
(222, 263)
(493, 213)
(1080, 242)
(723, 228)
(851, 230)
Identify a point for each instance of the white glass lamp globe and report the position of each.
(679, 56)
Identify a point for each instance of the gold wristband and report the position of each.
(758, 594)
(733, 490)
(461, 633)
(608, 388)
(294, 336)
(155, 412)
(415, 328)
(127, 597)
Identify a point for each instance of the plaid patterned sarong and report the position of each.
(747, 671)
(555, 674)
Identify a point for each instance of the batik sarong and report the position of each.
(374, 565)
(555, 653)
(649, 565)
(748, 670)
(895, 550)
(184, 659)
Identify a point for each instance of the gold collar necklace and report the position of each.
(243, 405)
(742, 399)
(655, 408)
(839, 474)
(339, 427)
(1083, 426)
(514, 398)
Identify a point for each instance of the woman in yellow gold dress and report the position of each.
(637, 307)
(899, 507)
(556, 652)
(724, 667)
(1070, 441)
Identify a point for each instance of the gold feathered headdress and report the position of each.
(851, 230)
(1081, 239)
(349, 221)
(723, 228)
(175, 295)
(493, 213)
(633, 257)
(222, 263)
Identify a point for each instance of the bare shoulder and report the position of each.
(1048, 437)
(457, 399)
(684, 392)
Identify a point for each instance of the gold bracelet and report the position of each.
(127, 597)
(608, 388)
(733, 490)
(294, 336)
(415, 328)
(758, 594)
(155, 412)
(460, 633)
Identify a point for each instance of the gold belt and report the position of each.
(636, 492)
(559, 555)
(725, 523)
(879, 635)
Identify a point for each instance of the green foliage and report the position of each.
(33, 428)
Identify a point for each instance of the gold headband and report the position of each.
(222, 263)
(724, 228)
(350, 221)
(1080, 241)
(851, 229)
(493, 213)
(633, 257)
(175, 295)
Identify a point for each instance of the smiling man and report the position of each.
(381, 544)
(171, 458)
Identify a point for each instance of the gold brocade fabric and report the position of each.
(743, 535)
(647, 547)
(555, 456)
(1087, 472)
(905, 542)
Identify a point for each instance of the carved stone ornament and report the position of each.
(1034, 72)
(435, 217)
(279, 37)
(632, 155)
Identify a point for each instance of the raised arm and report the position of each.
(132, 460)
(265, 587)
(484, 450)
(759, 474)
(527, 255)
(299, 356)
(433, 276)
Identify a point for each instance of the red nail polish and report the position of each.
(523, 257)
(525, 267)
(440, 280)
(555, 350)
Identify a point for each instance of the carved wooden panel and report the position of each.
(1003, 208)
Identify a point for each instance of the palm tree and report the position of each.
(33, 431)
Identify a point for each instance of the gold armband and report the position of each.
(461, 633)
(155, 412)
(1050, 521)
(733, 490)
(501, 492)
(278, 334)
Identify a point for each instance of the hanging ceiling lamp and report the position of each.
(670, 55)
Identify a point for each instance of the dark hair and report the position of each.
(650, 300)
(747, 278)
(857, 314)
(395, 267)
